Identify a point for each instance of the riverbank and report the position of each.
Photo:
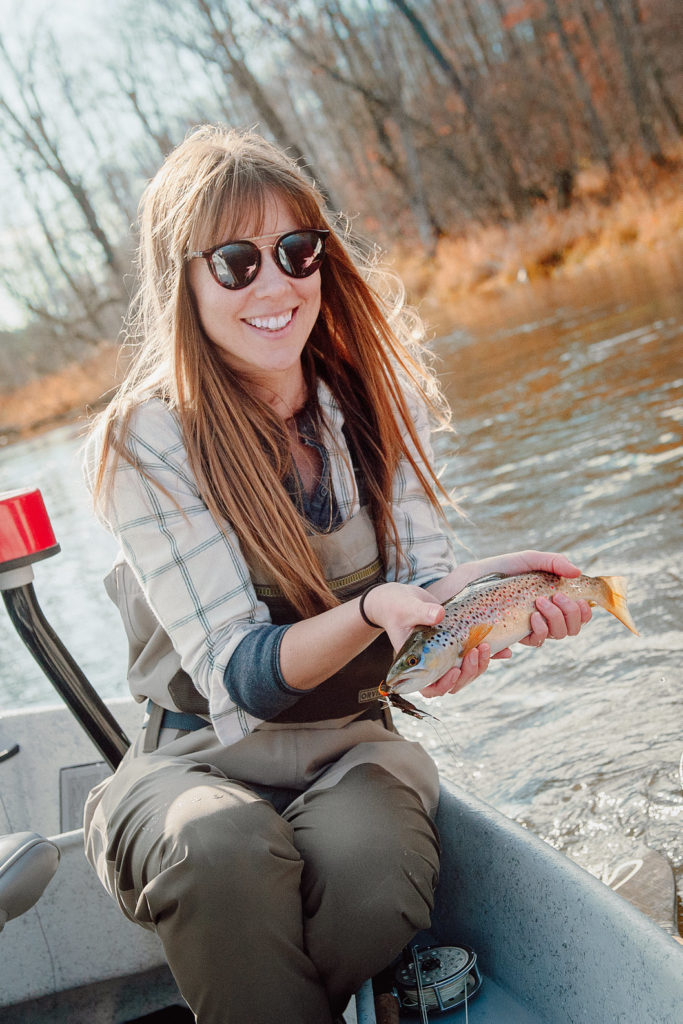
(468, 275)
(456, 285)
(57, 398)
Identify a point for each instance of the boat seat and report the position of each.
(27, 863)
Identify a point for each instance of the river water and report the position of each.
(568, 405)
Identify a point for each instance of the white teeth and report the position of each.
(270, 323)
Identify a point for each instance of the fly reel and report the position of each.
(437, 978)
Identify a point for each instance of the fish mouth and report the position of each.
(408, 683)
(403, 686)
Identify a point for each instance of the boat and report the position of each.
(520, 933)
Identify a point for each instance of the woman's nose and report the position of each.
(270, 280)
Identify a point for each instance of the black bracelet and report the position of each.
(361, 606)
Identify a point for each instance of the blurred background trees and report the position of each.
(415, 118)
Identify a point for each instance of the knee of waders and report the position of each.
(369, 847)
(222, 857)
(370, 856)
(215, 829)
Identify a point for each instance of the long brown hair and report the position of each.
(366, 345)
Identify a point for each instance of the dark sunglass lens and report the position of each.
(236, 264)
(301, 253)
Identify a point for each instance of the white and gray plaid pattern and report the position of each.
(194, 575)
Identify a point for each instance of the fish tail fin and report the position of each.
(615, 600)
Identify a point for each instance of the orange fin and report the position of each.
(476, 635)
(615, 600)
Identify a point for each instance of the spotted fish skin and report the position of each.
(497, 611)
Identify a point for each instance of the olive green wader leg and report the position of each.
(371, 864)
(212, 868)
(221, 877)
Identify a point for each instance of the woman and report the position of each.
(266, 469)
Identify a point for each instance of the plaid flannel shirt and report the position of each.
(194, 575)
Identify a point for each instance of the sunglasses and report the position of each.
(234, 265)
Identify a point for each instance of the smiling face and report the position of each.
(261, 330)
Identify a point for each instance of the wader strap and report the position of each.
(161, 718)
(342, 586)
(152, 727)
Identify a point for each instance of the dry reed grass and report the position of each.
(62, 396)
(488, 260)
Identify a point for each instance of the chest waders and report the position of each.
(351, 563)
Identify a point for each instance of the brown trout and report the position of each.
(497, 610)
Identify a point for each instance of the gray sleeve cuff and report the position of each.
(253, 677)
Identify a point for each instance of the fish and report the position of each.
(496, 609)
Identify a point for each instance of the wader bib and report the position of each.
(351, 563)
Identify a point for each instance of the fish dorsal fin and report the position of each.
(492, 577)
(475, 636)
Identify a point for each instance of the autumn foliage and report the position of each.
(433, 125)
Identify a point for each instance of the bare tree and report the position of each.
(489, 138)
(651, 59)
(211, 33)
(26, 123)
(631, 54)
(367, 62)
(132, 83)
(602, 149)
(69, 274)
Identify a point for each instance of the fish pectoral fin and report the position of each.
(475, 636)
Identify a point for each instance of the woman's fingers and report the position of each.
(442, 685)
(539, 631)
(473, 664)
(549, 561)
(557, 616)
(556, 619)
(531, 561)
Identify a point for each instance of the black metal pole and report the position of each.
(64, 674)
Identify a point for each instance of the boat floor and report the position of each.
(491, 1005)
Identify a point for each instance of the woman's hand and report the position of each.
(400, 608)
(554, 619)
(473, 665)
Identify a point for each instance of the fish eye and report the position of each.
(412, 660)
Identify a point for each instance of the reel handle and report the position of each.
(387, 1008)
